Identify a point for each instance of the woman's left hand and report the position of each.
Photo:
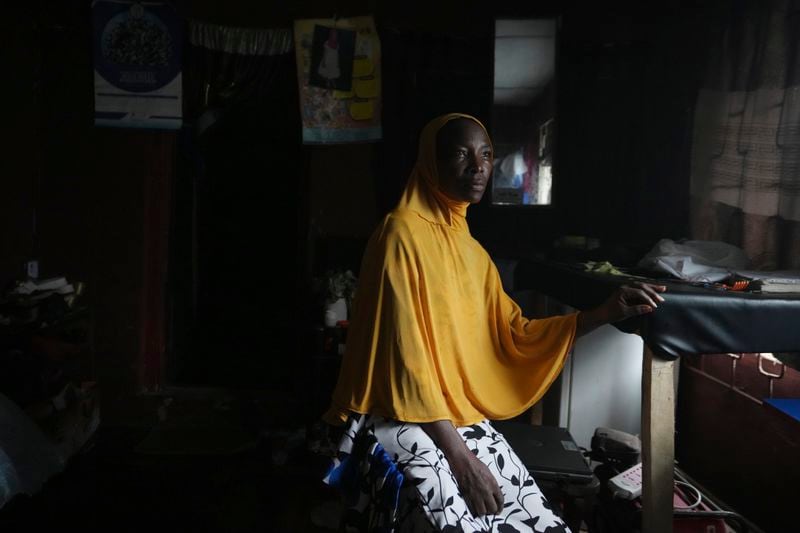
(628, 301)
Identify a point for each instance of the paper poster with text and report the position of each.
(137, 64)
(338, 70)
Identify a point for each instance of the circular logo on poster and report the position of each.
(136, 51)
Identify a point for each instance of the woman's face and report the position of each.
(464, 160)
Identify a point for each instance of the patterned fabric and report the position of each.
(745, 173)
(429, 499)
(368, 479)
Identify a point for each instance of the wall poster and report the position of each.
(338, 70)
(137, 64)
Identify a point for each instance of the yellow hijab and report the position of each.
(433, 335)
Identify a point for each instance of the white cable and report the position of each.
(699, 496)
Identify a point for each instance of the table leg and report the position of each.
(658, 443)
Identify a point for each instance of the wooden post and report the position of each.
(658, 443)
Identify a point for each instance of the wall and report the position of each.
(626, 86)
(97, 195)
(342, 204)
(85, 185)
(625, 92)
(21, 163)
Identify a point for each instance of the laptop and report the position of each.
(548, 452)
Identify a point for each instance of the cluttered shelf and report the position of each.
(47, 381)
(705, 312)
(46, 338)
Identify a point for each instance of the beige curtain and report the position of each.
(745, 181)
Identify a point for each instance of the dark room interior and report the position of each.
(181, 363)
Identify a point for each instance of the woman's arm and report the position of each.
(475, 481)
(625, 302)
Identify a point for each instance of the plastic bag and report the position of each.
(695, 260)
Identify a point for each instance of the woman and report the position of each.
(435, 348)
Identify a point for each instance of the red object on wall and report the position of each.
(157, 202)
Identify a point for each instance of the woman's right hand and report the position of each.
(475, 482)
(477, 485)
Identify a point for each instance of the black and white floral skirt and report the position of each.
(394, 478)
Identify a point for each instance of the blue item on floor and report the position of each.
(790, 406)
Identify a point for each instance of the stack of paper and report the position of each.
(772, 281)
(776, 285)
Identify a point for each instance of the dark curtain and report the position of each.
(236, 249)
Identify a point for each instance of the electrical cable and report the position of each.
(693, 488)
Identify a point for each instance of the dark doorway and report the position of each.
(235, 250)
